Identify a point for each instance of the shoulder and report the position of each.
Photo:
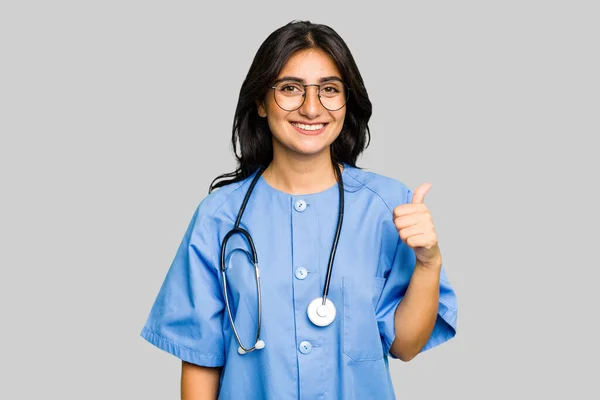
(390, 191)
(214, 203)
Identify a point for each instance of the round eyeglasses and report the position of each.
(290, 95)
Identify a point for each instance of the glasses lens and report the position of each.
(289, 95)
(333, 95)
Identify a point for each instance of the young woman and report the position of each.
(301, 273)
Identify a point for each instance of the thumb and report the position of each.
(420, 192)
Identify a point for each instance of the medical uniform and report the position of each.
(293, 235)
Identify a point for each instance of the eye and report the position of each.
(330, 89)
(289, 87)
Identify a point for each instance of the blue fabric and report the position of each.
(345, 360)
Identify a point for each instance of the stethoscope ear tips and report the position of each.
(241, 351)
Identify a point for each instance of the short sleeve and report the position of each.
(186, 317)
(397, 280)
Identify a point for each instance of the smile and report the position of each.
(312, 129)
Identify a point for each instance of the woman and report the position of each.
(350, 269)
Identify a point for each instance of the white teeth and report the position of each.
(309, 127)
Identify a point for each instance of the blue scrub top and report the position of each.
(293, 235)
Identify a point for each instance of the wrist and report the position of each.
(434, 265)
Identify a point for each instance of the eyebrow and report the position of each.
(302, 81)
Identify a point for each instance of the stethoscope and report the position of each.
(321, 311)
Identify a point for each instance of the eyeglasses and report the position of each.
(290, 95)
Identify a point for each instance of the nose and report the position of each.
(312, 107)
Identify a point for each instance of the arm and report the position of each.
(415, 316)
(199, 383)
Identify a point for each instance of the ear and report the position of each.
(262, 111)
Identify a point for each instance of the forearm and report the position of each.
(199, 383)
(415, 316)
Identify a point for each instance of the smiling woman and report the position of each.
(350, 270)
(298, 119)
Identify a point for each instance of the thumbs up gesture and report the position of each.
(415, 227)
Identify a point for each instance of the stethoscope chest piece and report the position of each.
(319, 314)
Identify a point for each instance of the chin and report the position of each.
(310, 148)
(306, 145)
(312, 153)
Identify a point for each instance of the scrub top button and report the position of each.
(301, 273)
(305, 347)
(300, 205)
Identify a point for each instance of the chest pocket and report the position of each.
(362, 340)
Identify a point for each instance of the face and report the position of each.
(311, 129)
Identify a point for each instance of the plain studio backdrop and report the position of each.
(115, 116)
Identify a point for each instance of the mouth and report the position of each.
(309, 129)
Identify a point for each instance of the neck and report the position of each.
(296, 175)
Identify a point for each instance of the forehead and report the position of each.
(310, 65)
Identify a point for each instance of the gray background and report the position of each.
(107, 110)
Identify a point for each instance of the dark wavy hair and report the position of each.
(252, 131)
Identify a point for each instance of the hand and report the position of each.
(415, 227)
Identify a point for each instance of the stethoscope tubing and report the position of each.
(246, 234)
(337, 234)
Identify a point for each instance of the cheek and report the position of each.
(339, 121)
(277, 119)
(276, 123)
(274, 113)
